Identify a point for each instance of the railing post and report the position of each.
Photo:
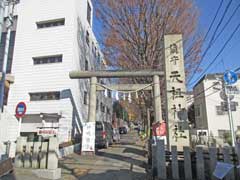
(175, 168)
(161, 160)
(213, 161)
(21, 141)
(187, 163)
(35, 156)
(200, 164)
(237, 150)
(43, 155)
(227, 159)
(154, 159)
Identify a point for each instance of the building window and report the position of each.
(99, 60)
(86, 65)
(97, 104)
(85, 98)
(89, 13)
(87, 38)
(219, 110)
(47, 59)
(95, 52)
(50, 23)
(233, 106)
(43, 96)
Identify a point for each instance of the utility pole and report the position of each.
(230, 78)
(9, 22)
(230, 115)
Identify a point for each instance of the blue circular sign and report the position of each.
(20, 109)
(230, 77)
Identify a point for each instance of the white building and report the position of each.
(210, 106)
(53, 38)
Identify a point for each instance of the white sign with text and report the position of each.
(88, 138)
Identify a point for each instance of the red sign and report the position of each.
(47, 132)
(21, 109)
(159, 129)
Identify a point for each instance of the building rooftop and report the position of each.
(211, 77)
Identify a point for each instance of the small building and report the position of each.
(211, 110)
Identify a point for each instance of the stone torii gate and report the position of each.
(94, 87)
(175, 90)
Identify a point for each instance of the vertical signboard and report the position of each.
(88, 138)
(178, 129)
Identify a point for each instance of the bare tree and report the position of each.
(133, 33)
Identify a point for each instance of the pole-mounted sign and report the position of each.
(230, 77)
(20, 111)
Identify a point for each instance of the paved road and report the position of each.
(124, 161)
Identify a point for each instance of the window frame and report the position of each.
(88, 38)
(54, 22)
(46, 94)
(89, 13)
(85, 98)
(86, 66)
(43, 60)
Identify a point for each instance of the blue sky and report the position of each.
(229, 58)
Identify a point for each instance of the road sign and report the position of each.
(230, 77)
(21, 109)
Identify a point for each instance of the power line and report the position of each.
(211, 41)
(213, 61)
(220, 22)
(227, 22)
(210, 27)
(205, 90)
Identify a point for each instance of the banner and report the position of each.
(88, 138)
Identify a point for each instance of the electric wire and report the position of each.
(211, 41)
(219, 53)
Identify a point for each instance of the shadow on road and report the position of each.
(135, 151)
(115, 175)
(129, 160)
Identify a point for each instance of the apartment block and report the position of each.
(50, 39)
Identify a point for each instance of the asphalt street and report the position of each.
(123, 161)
